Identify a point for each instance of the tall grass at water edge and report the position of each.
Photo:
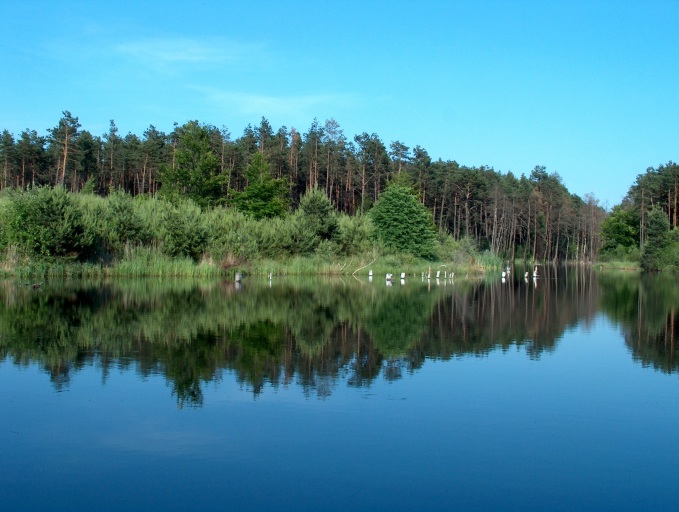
(149, 262)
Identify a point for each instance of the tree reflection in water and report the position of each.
(316, 333)
(647, 309)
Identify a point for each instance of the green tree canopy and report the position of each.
(403, 223)
(316, 221)
(194, 173)
(47, 222)
(620, 228)
(653, 252)
(264, 196)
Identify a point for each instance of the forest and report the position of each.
(264, 176)
(643, 227)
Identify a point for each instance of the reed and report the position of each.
(632, 266)
(486, 261)
(54, 270)
(359, 265)
(143, 261)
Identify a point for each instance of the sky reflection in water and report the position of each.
(443, 422)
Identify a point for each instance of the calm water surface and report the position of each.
(340, 395)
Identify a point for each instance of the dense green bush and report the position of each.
(355, 234)
(118, 221)
(232, 234)
(124, 222)
(184, 233)
(275, 237)
(264, 197)
(620, 229)
(403, 224)
(458, 251)
(654, 254)
(152, 213)
(620, 253)
(146, 233)
(318, 214)
(47, 222)
(195, 171)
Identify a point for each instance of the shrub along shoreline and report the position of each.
(50, 232)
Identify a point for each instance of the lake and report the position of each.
(341, 394)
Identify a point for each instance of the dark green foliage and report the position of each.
(47, 222)
(274, 237)
(124, 224)
(195, 173)
(316, 221)
(621, 253)
(620, 234)
(653, 252)
(403, 224)
(264, 196)
(318, 214)
(653, 196)
(232, 234)
(355, 234)
(183, 231)
(621, 227)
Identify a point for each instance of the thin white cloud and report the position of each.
(165, 51)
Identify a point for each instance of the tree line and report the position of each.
(644, 227)
(532, 217)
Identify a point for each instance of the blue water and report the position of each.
(585, 426)
(503, 431)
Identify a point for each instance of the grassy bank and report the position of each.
(631, 266)
(379, 265)
(149, 262)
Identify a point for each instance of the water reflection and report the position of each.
(647, 310)
(316, 333)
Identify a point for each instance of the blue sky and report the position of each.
(589, 89)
